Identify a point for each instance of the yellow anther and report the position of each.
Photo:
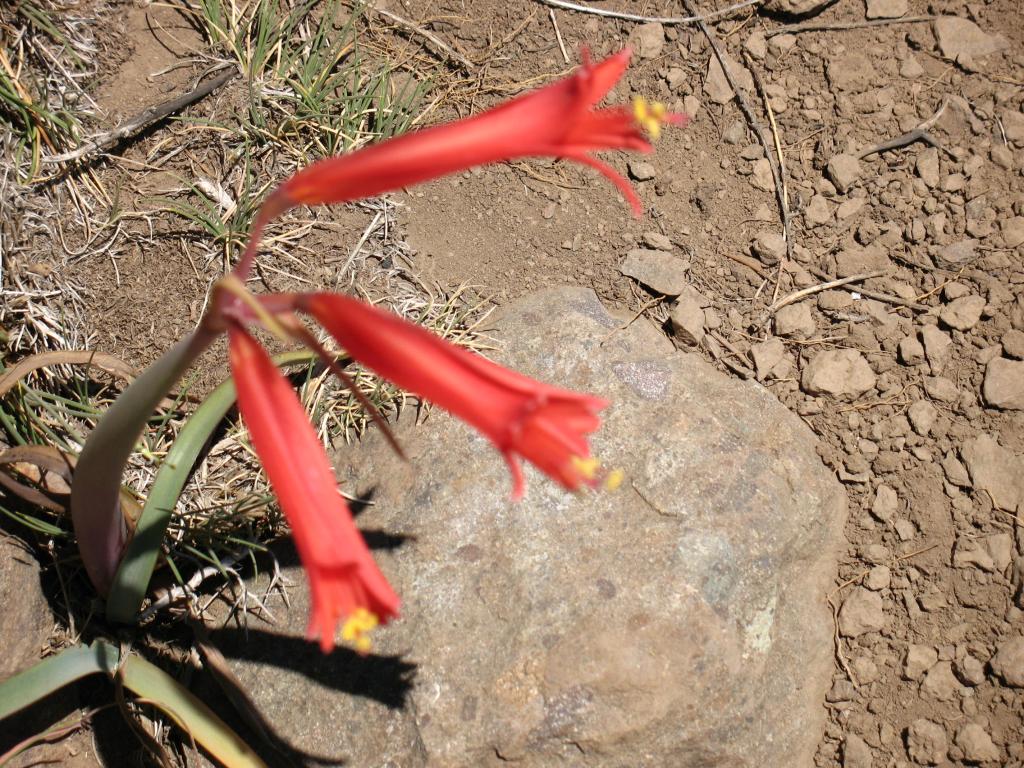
(357, 627)
(587, 467)
(614, 480)
(650, 116)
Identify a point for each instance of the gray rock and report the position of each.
(761, 177)
(942, 389)
(716, 85)
(928, 166)
(1000, 548)
(687, 321)
(970, 671)
(861, 612)
(856, 752)
(844, 171)
(659, 271)
(1013, 231)
(964, 41)
(855, 260)
(27, 621)
(919, 659)
(994, 469)
(641, 170)
(922, 415)
(795, 320)
(818, 212)
(1003, 386)
(865, 669)
(769, 247)
(905, 529)
(976, 744)
(679, 621)
(1013, 344)
(1008, 662)
(963, 313)
(911, 68)
(878, 578)
(969, 553)
(955, 254)
(842, 373)
(939, 683)
(955, 471)
(936, 347)
(886, 503)
(886, 9)
(766, 355)
(849, 71)
(926, 742)
(648, 40)
(1013, 125)
(657, 241)
(911, 350)
(756, 44)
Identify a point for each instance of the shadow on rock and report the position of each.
(385, 679)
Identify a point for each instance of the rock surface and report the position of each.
(26, 613)
(838, 372)
(658, 270)
(926, 742)
(964, 41)
(1004, 384)
(1008, 662)
(681, 622)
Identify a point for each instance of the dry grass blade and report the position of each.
(101, 360)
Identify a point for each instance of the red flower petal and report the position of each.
(344, 580)
(522, 417)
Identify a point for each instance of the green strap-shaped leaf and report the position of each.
(189, 713)
(132, 577)
(52, 674)
(96, 487)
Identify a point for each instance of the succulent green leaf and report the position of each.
(132, 577)
(96, 488)
(52, 674)
(189, 713)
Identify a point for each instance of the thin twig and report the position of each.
(797, 295)
(754, 124)
(141, 120)
(647, 19)
(920, 133)
(410, 26)
(180, 592)
(558, 35)
(748, 262)
(814, 26)
(782, 191)
(840, 656)
(876, 295)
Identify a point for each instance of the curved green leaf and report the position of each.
(51, 674)
(96, 487)
(132, 577)
(189, 713)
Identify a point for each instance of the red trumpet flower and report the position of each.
(344, 580)
(523, 418)
(558, 120)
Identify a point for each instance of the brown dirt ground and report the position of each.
(510, 229)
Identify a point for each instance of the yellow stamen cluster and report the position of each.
(357, 627)
(590, 468)
(650, 115)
